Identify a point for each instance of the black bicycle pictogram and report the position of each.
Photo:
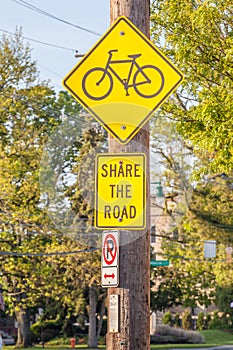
(147, 75)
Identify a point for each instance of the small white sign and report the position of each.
(110, 276)
(209, 249)
(114, 313)
(109, 261)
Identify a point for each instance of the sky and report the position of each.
(55, 63)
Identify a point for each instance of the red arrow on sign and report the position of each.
(109, 276)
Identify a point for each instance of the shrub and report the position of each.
(36, 329)
(50, 330)
(177, 322)
(167, 318)
(215, 322)
(187, 320)
(207, 321)
(167, 334)
(218, 322)
(59, 341)
(200, 321)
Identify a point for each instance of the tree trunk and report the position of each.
(102, 312)
(92, 338)
(23, 321)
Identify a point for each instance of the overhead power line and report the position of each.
(45, 13)
(40, 42)
(31, 255)
(181, 257)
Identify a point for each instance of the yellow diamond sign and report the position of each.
(120, 196)
(122, 80)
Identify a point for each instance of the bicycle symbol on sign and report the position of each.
(147, 81)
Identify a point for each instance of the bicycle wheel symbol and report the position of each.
(154, 84)
(97, 83)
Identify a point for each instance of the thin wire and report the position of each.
(36, 108)
(32, 255)
(39, 42)
(48, 44)
(192, 259)
(50, 71)
(20, 98)
(26, 103)
(168, 239)
(45, 13)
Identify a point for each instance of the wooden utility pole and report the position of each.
(134, 259)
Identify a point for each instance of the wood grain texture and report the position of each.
(134, 287)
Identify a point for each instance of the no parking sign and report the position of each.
(110, 256)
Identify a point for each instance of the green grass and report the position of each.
(59, 347)
(215, 337)
(176, 346)
(212, 338)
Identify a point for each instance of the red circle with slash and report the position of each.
(109, 249)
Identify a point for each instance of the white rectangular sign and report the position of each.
(209, 249)
(110, 276)
(114, 313)
(110, 257)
